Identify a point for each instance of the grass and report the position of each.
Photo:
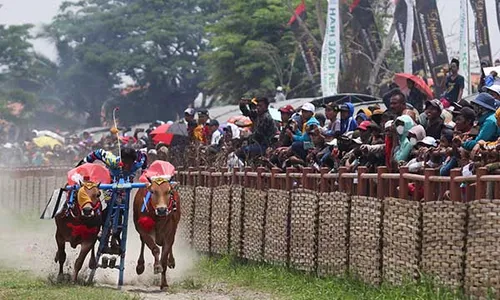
(24, 286)
(286, 284)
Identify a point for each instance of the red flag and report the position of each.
(300, 11)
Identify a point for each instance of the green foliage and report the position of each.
(156, 43)
(288, 284)
(253, 51)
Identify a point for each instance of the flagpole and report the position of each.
(469, 81)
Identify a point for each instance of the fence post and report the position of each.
(322, 184)
(429, 186)
(305, 179)
(403, 183)
(380, 182)
(289, 179)
(481, 185)
(455, 193)
(260, 170)
(342, 184)
(362, 186)
(246, 178)
(274, 184)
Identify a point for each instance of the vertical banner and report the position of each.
(330, 54)
(305, 45)
(497, 4)
(418, 63)
(434, 43)
(408, 65)
(464, 46)
(482, 33)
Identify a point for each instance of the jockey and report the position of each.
(125, 165)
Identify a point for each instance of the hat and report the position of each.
(344, 107)
(466, 112)
(308, 107)
(494, 88)
(429, 141)
(377, 112)
(287, 109)
(190, 111)
(261, 99)
(485, 100)
(388, 124)
(203, 111)
(364, 125)
(331, 105)
(213, 123)
(435, 103)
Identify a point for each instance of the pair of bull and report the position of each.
(155, 220)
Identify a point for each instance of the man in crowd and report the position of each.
(264, 127)
(455, 84)
(435, 123)
(398, 103)
(416, 98)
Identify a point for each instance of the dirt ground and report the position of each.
(28, 243)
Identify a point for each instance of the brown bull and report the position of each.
(157, 224)
(79, 225)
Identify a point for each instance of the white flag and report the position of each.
(408, 60)
(330, 53)
(464, 46)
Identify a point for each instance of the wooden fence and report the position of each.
(382, 227)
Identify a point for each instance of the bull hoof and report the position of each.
(163, 287)
(157, 269)
(171, 263)
(139, 269)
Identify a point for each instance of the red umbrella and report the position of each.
(160, 134)
(401, 80)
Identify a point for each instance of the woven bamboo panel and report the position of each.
(235, 240)
(365, 252)
(253, 224)
(186, 194)
(443, 241)
(303, 230)
(202, 216)
(482, 269)
(276, 237)
(332, 233)
(220, 219)
(401, 240)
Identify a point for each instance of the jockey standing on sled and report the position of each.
(125, 165)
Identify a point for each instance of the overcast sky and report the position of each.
(42, 11)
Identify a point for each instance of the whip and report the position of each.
(117, 135)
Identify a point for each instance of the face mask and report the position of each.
(400, 130)
(413, 141)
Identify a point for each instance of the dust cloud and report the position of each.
(28, 243)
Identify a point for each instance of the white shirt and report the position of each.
(216, 136)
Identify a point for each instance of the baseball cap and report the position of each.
(331, 105)
(203, 111)
(344, 107)
(190, 111)
(494, 88)
(287, 109)
(466, 112)
(364, 125)
(434, 103)
(308, 107)
(429, 141)
(213, 123)
(388, 124)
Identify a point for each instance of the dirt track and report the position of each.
(29, 244)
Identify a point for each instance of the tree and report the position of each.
(156, 43)
(252, 51)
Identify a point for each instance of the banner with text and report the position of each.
(330, 54)
(464, 46)
(434, 43)
(482, 34)
(418, 62)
